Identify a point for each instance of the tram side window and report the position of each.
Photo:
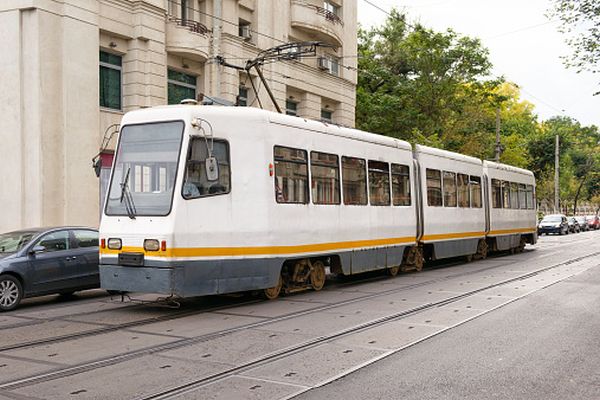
(400, 185)
(434, 187)
(449, 189)
(196, 183)
(379, 183)
(325, 175)
(522, 196)
(354, 181)
(462, 183)
(475, 185)
(530, 202)
(496, 193)
(514, 196)
(505, 194)
(291, 175)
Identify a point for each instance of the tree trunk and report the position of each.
(577, 195)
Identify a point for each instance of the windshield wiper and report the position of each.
(126, 195)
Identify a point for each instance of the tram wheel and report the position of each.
(317, 275)
(273, 293)
(393, 271)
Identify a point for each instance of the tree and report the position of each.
(420, 85)
(581, 21)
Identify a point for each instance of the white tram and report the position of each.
(207, 200)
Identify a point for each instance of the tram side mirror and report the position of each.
(212, 169)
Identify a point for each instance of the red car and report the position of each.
(593, 221)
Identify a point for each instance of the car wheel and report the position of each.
(11, 292)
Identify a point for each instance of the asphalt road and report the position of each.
(543, 346)
(522, 326)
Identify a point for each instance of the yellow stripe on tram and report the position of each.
(508, 231)
(263, 250)
(455, 235)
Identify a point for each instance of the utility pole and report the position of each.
(556, 171)
(497, 158)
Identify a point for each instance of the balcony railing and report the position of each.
(186, 16)
(329, 16)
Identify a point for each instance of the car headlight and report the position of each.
(557, 226)
(115, 244)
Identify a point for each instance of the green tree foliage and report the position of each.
(581, 22)
(434, 88)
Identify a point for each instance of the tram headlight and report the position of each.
(151, 245)
(115, 244)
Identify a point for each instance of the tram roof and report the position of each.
(505, 167)
(186, 112)
(447, 154)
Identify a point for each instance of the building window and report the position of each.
(291, 107)
(291, 175)
(242, 96)
(379, 183)
(330, 64)
(331, 8)
(325, 174)
(354, 180)
(180, 86)
(326, 116)
(400, 185)
(434, 187)
(110, 80)
(449, 189)
(244, 30)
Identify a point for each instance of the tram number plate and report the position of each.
(133, 259)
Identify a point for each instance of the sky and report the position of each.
(525, 47)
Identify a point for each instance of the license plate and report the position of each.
(133, 259)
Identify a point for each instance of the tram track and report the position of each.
(113, 360)
(177, 314)
(278, 355)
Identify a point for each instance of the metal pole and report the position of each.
(556, 172)
(497, 158)
(266, 85)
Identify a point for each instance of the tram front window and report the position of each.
(145, 168)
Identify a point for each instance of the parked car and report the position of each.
(42, 261)
(593, 221)
(573, 225)
(583, 224)
(554, 223)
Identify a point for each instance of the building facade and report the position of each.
(70, 69)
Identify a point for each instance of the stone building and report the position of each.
(69, 69)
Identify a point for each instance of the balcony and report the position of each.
(318, 22)
(185, 34)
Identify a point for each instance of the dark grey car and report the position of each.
(41, 261)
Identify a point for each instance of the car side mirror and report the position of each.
(36, 250)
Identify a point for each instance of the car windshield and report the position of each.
(554, 219)
(580, 219)
(12, 242)
(145, 169)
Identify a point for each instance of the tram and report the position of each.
(209, 200)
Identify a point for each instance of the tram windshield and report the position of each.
(145, 168)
